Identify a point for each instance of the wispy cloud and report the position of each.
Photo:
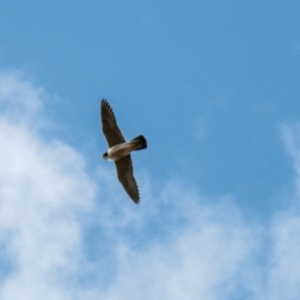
(68, 234)
(44, 193)
(284, 263)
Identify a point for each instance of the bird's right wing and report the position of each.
(125, 175)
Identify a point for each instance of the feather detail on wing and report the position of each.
(110, 128)
(125, 175)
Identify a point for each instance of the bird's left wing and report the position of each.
(110, 128)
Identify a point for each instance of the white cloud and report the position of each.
(284, 263)
(43, 186)
(284, 273)
(203, 257)
(19, 100)
(68, 234)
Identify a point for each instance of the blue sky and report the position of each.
(214, 87)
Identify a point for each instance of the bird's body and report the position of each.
(119, 150)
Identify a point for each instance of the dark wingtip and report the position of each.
(104, 101)
(136, 197)
(106, 108)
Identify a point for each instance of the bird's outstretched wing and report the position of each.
(110, 128)
(125, 175)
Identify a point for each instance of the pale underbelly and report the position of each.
(119, 151)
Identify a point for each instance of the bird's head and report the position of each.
(105, 156)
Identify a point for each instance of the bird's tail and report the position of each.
(139, 142)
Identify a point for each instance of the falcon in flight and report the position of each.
(119, 150)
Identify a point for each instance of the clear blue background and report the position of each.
(227, 71)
